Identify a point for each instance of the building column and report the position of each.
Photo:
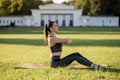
(45, 20)
(67, 20)
(60, 20)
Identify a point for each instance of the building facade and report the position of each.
(64, 15)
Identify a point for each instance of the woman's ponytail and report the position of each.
(45, 33)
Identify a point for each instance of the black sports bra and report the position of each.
(57, 47)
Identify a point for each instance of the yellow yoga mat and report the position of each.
(35, 66)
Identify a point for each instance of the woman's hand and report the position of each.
(69, 40)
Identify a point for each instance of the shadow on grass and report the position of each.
(76, 42)
(63, 30)
(90, 42)
(114, 70)
(34, 42)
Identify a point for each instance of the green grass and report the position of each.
(22, 45)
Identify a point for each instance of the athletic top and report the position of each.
(57, 47)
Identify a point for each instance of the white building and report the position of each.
(64, 15)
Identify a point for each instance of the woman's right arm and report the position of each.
(61, 40)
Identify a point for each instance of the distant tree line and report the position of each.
(20, 7)
(89, 7)
(70, 2)
(99, 7)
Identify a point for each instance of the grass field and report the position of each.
(22, 45)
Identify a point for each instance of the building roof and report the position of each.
(56, 6)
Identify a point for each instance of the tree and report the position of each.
(48, 2)
(64, 2)
(114, 7)
(94, 7)
(18, 7)
(99, 7)
(15, 7)
(4, 4)
(27, 6)
(70, 2)
(37, 3)
(84, 5)
(78, 4)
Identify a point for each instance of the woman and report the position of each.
(55, 45)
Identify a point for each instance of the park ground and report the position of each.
(25, 45)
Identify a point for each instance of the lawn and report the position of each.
(24, 45)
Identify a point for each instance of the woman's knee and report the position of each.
(77, 54)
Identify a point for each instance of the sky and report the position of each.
(58, 1)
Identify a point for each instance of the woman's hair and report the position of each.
(46, 30)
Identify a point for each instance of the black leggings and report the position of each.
(57, 62)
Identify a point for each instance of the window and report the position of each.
(3, 21)
(110, 21)
(18, 21)
(56, 21)
(21, 21)
(71, 23)
(42, 22)
(7, 21)
(71, 20)
(103, 22)
(63, 23)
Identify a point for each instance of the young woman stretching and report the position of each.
(55, 45)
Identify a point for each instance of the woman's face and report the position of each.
(55, 27)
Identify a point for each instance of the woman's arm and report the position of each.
(60, 40)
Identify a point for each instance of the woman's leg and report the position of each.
(64, 61)
(82, 60)
(70, 58)
(78, 54)
(92, 65)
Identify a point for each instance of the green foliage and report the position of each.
(99, 7)
(48, 2)
(84, 5)
(28, 5)
(18, 7)
(4, 5)
(95, 7)
(70, 2)
(15, 7)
